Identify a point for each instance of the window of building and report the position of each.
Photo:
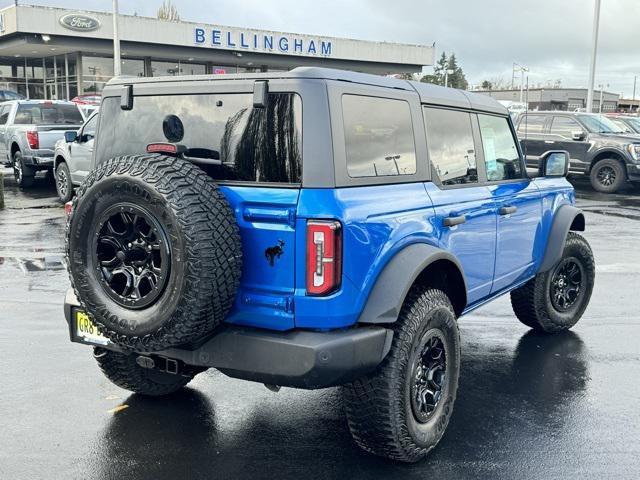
(161, 69)
(252, 144)
(531, 124)
(97, 71)
(379, 138)
(451, 146)
(501, 156)
(564, 126)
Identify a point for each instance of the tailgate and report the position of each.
(49, 135)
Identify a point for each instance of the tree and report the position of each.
(456, 79)
(168, 11)
(486, 85)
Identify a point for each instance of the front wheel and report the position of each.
(64, 187)
(402, 410)
(607, 176)
(554, 301)
(123, 370)
(23, 174)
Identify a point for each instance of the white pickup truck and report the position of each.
(29, 130)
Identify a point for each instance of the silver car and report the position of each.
(73, 158)
(29, 130)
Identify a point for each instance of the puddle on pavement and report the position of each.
(30, 265)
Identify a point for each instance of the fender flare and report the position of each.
(566, 216)
(392, 285)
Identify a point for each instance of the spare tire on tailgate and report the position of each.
(153, 251)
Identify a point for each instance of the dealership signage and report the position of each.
(262, 42)
(79, 22)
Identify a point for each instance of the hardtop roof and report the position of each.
(430, 94)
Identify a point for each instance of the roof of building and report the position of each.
(430, 94)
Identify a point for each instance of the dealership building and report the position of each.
(55, 53)
(559, 98)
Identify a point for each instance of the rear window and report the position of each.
(47, 114)
(236, 141)
(531, 124)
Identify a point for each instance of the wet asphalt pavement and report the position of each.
(529, 406)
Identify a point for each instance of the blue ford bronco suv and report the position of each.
(312, 229)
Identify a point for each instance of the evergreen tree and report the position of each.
(444, 63)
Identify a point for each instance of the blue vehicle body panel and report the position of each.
(497, 253)
(266, 217)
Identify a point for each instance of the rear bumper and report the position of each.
(296, 358)
(39, 161)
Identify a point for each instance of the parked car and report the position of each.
(88, 99)
(335, 244)
(72, 158)
(626, 124)
(6, 95)
(29, 130)
(597, 146)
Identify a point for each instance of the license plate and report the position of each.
(87, 331)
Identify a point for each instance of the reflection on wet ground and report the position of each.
(529, 405)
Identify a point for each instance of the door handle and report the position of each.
(549, 141)
(453, 221)
(508, 210)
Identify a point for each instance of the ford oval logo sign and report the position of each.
(79, 22)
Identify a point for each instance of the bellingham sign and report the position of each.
(262, 42)
(79, 22)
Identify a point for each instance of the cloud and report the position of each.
(551, 37)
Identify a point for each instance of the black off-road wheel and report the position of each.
(24, 174)
(154, 252)
(608, 175)
(123, 370)
(64, 187)
(554, 301)
(402, 410)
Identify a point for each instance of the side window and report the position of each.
(4, 114)
(563, 126)
(532, 124)
(451, 147)
(501, 155)
(378, 136)
(89, 129)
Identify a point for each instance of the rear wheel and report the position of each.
(608, 175)
(554, 301)
(123, 370)
(402, 410)
(23, 174)
(64, 187)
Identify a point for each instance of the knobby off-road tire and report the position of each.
(382, 407)
(122, 370)
(533, 303)
(194, 248)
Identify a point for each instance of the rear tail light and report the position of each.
(162, 148)
(33, 140)
(324, 256)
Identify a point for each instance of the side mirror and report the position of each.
(554, 163)
(70, 137)
(577, 135)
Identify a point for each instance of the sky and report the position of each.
(550, 37)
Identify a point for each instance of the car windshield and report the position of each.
(48, 114)
(623, 127)
(599, 124)
(634, 123)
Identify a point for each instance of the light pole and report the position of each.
(447, 72)
(116, 41)
(600, 104)
(594, 50)
(521, 69)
